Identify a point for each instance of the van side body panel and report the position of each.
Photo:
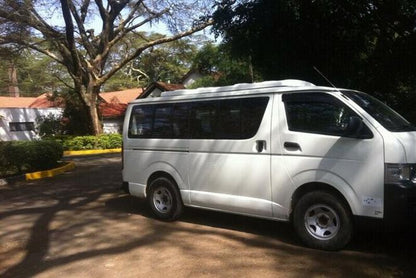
(354, 167)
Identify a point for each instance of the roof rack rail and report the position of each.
(241, 86)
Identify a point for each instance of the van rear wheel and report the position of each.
(322, 221)
(164, 199)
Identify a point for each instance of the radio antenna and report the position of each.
(321, 74)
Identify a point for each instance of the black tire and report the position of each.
(322, 221)
(164, 199)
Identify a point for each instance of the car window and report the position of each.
(316, 113)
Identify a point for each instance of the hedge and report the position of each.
(100, 142)
(29, 156)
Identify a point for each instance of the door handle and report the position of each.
(260, 145)
(292, 146)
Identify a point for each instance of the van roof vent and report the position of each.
(241, 87)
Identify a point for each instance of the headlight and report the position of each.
(401, 173)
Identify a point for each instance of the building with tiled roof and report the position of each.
(112, 107)
(19, 116)
(124, 96)
(46, 101)
(16, 102)
(42, 101)
(156, 88)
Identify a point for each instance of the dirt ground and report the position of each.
(80, 224)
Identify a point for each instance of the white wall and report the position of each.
(8, 115)
(112, 125)
(191, 79)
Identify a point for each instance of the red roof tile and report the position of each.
(16, 102)
(44, 101)
(124, 96)
(112, 110)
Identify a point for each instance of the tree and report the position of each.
(166, 62)
(220, 68)
(49, 125)
(36, 73)
(368, 45)
(8, 72)
(88, 54)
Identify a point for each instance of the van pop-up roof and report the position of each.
(241, 86)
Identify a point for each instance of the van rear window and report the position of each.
(214, 119)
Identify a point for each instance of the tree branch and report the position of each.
(69, 29)
(84, 10)
(139, 50)
(82, 32)
(121, 31)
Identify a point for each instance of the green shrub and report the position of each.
(4, 164)
(29, 156)
(80, 143)
(49, 125)
(104, 141)
(110, 141)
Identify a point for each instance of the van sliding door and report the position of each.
(230, 156)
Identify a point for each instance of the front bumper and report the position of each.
(399, 204)
(125, 187)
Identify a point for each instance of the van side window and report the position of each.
(238, 118)
(141, 121)
(229, 118)
(252, 112)
(316, 113)
(162, 124)
(203, 120)
(181, 120)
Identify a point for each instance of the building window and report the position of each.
(21, 126)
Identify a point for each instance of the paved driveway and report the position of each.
(80, 225)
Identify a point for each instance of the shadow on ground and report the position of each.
(72, 224)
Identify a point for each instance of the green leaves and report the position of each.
(29, 156)
(367, 45)
(104, 141)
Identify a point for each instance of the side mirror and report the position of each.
(357, 129)
(354, 126)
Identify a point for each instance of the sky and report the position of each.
(53, 15)
(96, 24)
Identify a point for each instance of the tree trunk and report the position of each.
(96, 122)
(13, 83)
(91, 100)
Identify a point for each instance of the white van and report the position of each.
(282, 150)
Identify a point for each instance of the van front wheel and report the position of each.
(322, 221)
(164, 199)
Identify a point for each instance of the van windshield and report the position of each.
(387, 117)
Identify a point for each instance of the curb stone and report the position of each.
(50, 173)
(91, 152)
(39, 174)
(56, 171)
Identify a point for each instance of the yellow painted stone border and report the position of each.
(87, 152)
(50, 173)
